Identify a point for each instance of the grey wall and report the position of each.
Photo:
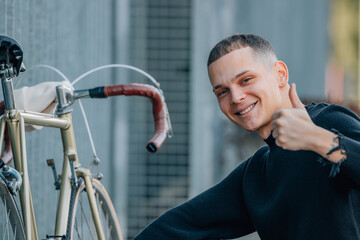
(76, 36)
(73, 36)
(160, 44)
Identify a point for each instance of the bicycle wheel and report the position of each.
(80, 223)
(11, 224)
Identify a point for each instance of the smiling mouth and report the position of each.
(248, 109)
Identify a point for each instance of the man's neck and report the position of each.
(265, 131)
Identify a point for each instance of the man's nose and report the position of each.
(237, 95)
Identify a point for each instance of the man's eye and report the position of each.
(222, 92)
(246, 80)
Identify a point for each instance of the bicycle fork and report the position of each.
(86, 175)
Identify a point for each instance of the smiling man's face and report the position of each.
(248, 90)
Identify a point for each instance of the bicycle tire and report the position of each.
(11, 223)
(80, 222)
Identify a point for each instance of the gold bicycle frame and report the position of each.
(16, 124)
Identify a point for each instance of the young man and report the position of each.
(304, 184)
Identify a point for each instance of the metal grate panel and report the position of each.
(161, 44)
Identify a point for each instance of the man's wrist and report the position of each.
(323, 142)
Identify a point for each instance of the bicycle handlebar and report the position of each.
(159, 106)
(160, 113)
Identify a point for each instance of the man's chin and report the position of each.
(249, 128)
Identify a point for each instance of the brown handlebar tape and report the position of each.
(151, 92)
(128, 90)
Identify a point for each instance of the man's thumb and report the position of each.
(294, 98)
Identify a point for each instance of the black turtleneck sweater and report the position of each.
(280, 194)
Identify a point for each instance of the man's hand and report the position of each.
(293, 128)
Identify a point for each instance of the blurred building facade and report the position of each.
(171, 41)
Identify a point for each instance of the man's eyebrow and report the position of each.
(217, 86)
(240, 74)
(236, 76)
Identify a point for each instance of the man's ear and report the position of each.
(282, 74)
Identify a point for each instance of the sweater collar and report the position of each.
(270, 141)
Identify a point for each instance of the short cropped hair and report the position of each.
(262, 47)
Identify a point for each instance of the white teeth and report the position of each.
(247, 109)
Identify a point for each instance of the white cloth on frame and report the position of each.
(38, 98)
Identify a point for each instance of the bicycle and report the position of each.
(75, 183)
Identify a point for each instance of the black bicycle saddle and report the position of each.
(11, 54)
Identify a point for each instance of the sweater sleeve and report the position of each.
(218, 213)
(347, 124)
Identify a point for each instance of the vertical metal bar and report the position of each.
(118, 147)
(2, 132)
(30, 215)
(94, 210)
(113, 77)
(14, 132)
(62, 214)
(64, 199)
(8, 91)
(17, 136)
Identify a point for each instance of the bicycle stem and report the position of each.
(6, 74)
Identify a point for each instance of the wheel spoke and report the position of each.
(11, 222)
(81, 217)
(86, 218)
(7, 222)
(4, 220)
